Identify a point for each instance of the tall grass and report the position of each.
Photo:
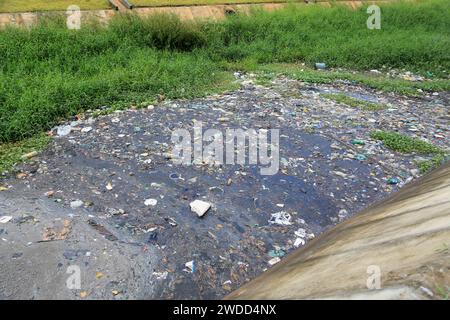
(47, 5)
(413, 35)
(48, 72)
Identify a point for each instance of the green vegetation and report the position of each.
(47, 5)
(147, 3)
(443, 292)
(11, 153)
(379, 82)
(354, 103)
(413, 36)
(427, 165)
(404, 144)
(51, 73)
(48, 73)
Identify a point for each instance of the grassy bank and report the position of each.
(49, 5)
(150, 3)
(48, 73)
(46, 5)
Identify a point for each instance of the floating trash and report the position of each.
(161, 275)
(299, 242)
(150, 202)
(153, 237)
(300, 233)
(276, 253)
(274, 261)
(5, 219)
(174, 176)
(357, 142)
(200, 207)
(190, 266)
(393, 181)
(282, 218)
(361, 157)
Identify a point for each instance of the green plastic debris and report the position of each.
(357, 142)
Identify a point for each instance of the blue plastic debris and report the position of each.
(276, 253)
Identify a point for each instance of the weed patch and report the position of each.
(427, 165)
(11, 153)
(404, 144)
(354, 103)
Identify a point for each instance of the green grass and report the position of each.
(49, 73)
(414, 36)
(354, 103)
(404, 144)
(47, 5)
(148, 3)
(11, 153)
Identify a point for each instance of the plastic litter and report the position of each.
(282, 218)
(357, 142)
(300, 233)
(161, 275)
(274, 261)
(361, 157)
(393, 181)
(200, 207)
(299, 242)
(276, 253)
(190, 266)
(63, 130)
(5, 219)
(76, 204)
(320, 66)
(29, 155)
(150, 202)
